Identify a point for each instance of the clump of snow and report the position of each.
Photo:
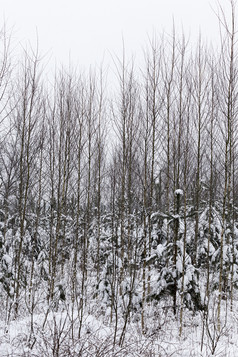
(179, 265)
(160, 249)
(178, 192)
(7, 259)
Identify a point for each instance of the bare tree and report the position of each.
(26, 117)
(229, 76)
(151, 133)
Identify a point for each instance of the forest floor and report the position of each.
(57, 335)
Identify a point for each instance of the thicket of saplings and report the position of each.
(119, 204)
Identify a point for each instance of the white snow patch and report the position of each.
(178, 192)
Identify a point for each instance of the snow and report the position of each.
(160, 339)
(7, 259)
(160, 249)
(179, 265)
(178, 192)
(157, 181)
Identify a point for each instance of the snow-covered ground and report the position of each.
(58, 335)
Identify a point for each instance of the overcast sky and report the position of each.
(88, 30)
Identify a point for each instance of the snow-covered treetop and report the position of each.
(178, 192)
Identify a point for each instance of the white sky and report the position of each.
(88, 30)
